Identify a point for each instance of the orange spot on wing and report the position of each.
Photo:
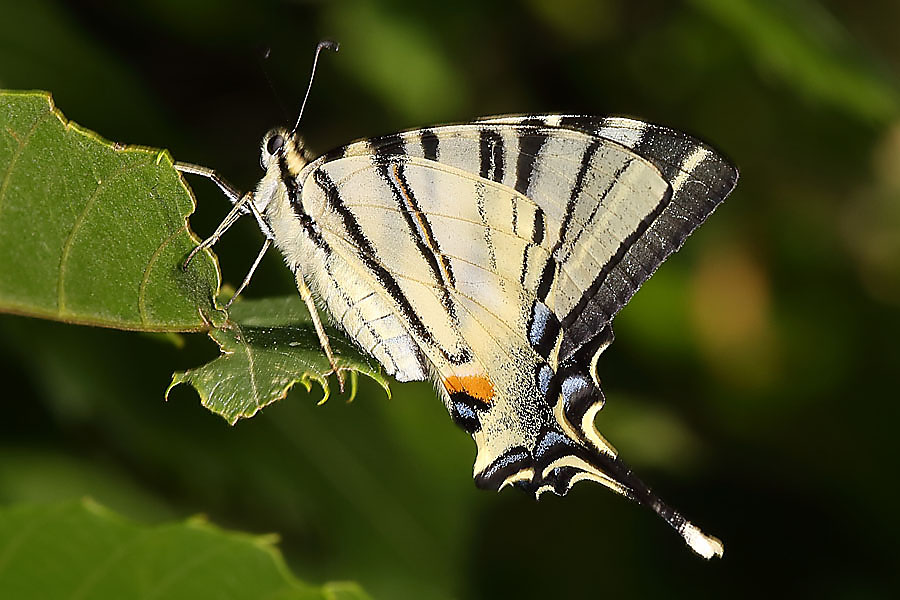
(477, 386)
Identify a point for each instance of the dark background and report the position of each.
(753, 380)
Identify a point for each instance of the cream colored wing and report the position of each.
(482, 242)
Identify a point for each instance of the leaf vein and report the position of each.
(79, 221)
(142, 305)
(12, 163)
(94, 577)
(13, 545)
(186, 569)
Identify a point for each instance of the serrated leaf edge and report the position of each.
(305, 378)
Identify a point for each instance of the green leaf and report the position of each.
(268, 346)
(93, 232)
(82, 550)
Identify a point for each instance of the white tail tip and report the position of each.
(705, 545)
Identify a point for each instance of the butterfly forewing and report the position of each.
(699, 177)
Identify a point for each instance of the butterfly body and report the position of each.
(492, 257)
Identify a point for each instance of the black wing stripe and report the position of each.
(515, 216)
(389, 145)
(537, 233)
(626, 244)
(490, 152)
(530, 143)
(523, 274)
(334, 154)
(488, 238)
(587, 160)
(430, 145)
(367, 252)
(309, 226)
(546, 280)
(393, 174)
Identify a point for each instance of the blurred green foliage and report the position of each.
(753, 380)
(82, 550)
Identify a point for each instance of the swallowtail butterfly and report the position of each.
(491, 257)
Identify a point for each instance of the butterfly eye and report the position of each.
(276, 143)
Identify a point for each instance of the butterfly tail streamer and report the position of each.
(580, 400)
(705, 545)
(569, 449)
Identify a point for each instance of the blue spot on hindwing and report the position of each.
(546, 383)
(543, 329)
(464, 411)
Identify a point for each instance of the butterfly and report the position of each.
(491, 258)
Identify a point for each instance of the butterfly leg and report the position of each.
(252, 270)
(242, 205)
(306, 294)
(269, 239)
(217, 179)
(233, 215)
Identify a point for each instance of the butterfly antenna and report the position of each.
(323, 45)
(261, 58)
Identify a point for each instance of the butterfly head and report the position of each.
(282, 156)
(280, 145)
(272, 146)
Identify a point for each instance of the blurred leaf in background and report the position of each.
(82, 550)
(753, 379)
